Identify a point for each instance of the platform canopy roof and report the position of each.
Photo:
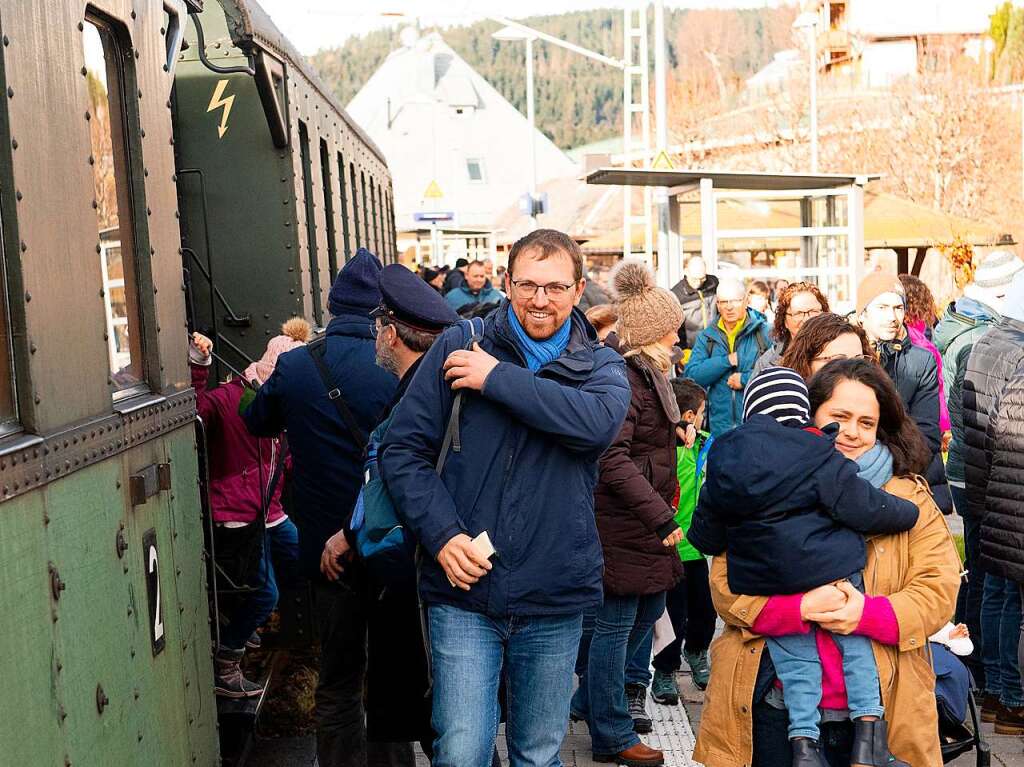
(732, 180)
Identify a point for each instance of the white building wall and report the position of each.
(884, 62)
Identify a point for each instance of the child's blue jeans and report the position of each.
(799, 669)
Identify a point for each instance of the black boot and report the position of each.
(871, 745)
(806, 753)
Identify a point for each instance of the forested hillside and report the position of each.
(578, 100)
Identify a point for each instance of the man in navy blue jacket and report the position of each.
(542, 401)
(327, 474)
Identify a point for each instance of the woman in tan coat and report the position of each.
(910, 580)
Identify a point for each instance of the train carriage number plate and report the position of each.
(152, 570)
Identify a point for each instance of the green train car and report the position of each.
(278, 186)
(125, 155)
(104, 634)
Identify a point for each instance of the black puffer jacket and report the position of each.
(699, 309)
(1002, 529)
(916, 376)
(994, 360)
(636, 488)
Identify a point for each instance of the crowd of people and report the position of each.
(502, 480)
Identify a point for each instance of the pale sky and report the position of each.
(315, 24)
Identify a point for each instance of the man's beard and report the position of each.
(385, 359)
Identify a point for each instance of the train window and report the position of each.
(112, 183)
(355, 203)
(325, 173)
(380, 218)
(343, 189)
(8, 409)
(307, 193)
(475, 169)
(366, 211)
(373, 218)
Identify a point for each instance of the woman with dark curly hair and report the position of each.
(910, 589)
(822, 339)
(797, 304)
(919, 319)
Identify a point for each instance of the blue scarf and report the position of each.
(539, 353)
(876, 465)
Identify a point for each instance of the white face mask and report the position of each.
(758, 302)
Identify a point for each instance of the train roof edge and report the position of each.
(249, 24)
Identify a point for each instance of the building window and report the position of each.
(343, 189)
(307, 193)
(475, 169)
(112, 188)
(325, 173)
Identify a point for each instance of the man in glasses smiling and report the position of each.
(542, 400)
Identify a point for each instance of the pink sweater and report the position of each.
(918, 338)
(781, 616)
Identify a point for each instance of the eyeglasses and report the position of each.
(736, 302)
(528, 289)
(831, 357)
(804, 315)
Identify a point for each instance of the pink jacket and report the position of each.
(241, 465)
(918, 338)
(781, 616)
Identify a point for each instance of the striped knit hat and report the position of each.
(780, 393)
(992, 278)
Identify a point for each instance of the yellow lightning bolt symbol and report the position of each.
(217, 101)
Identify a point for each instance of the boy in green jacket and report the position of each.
(689, 602)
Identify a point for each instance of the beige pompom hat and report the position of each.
(647, 313)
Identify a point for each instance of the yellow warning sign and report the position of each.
(433, 191)
(662, 162)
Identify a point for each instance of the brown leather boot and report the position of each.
(990, 708)
(1010, 721)
(634, 756)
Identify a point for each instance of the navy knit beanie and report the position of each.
(356, 288)
(780, 393)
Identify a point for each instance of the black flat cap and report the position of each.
(411, 301)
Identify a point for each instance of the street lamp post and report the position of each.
(809, 20)
(512, 33)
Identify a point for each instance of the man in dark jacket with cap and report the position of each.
(327, 458)
(542, 400)
(456, 278)
(881, 308)
(410, 317)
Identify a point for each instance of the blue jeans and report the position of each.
(469, 652)
(968, 600)
(638, 667)
(798, 667)
(1000, 631)
(620, 625)
(280, 557)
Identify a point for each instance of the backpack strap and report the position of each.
(317, 350)
(702, 455)
(762, 343)
(452, 440)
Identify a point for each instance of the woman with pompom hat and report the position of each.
(244, 482)
(635, 507)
